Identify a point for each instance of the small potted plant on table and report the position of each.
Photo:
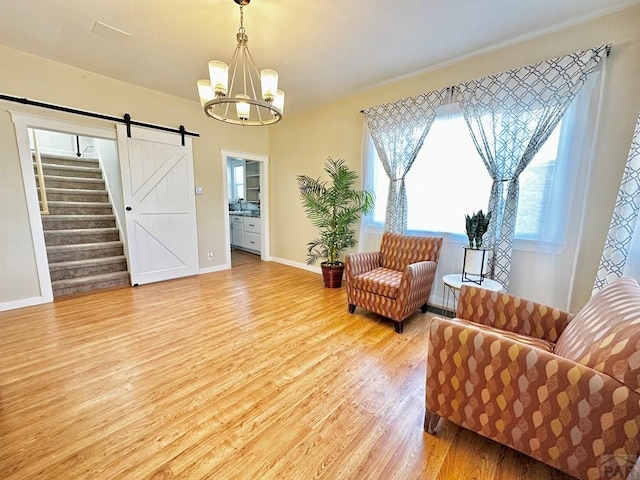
(334, 208)
(475, 258)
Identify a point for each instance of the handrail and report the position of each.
(44, 209)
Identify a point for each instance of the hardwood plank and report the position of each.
(254, 372)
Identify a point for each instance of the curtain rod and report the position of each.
(454, 87)
(126, 119)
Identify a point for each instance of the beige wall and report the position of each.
(33, 77)
(300, 143)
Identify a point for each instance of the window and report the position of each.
(448, 180)
(238, 178)
(235, 179)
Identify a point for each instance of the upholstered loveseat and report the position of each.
(560, 388)
(395, 281)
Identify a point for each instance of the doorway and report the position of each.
(182, 167)
(23, 124)
(245, 189)
(79, 192)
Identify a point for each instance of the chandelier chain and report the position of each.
(241, 19)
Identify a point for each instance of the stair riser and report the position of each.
(80, 210)
(76, 223)
(72, 162)
(72, 183)
(76, 197)
(84, 254)
(90, 270)
(52, 239)
(89, 287)
(61, 171)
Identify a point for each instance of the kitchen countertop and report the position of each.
(245, 214)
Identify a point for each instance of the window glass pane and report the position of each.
(447, 180)
(238, 172)
(380, 188)
(535, 207)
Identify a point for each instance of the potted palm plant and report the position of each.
(334, 208)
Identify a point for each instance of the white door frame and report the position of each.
(22, 122)
(265, 247)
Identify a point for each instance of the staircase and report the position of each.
(83, 243)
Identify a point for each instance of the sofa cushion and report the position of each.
(398, 251)
(531, 341)
(380, 281)
(605, 334)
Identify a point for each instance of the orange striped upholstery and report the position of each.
(380, 281)
(605, 334)
(395, 281)
(398, 251)
(531, 341)
(573, 405)
(508, 312)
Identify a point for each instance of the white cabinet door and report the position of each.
(251, 224)
(159, 198)
(252, 241)
(237, 231)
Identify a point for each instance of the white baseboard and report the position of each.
(24, 302)
(291, 263)
(217, 268)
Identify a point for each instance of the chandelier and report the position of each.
(237, 101)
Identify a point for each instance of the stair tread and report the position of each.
(85, 263)
(103, 277)
(59, 156)
(59, 217)
(72, 179)
(81, 231)
(71, 203)
(80, 191)
(73, 168)
(83, 246)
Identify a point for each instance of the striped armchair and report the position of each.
(395, 281)
(562, 389)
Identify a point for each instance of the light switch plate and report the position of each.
(199, 191)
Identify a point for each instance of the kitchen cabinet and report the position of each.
(252, 181)
(236, 226)
(252, 234)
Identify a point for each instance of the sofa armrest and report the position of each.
(551, 408)
(357, 263)
(508, 312)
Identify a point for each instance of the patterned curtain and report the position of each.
(621, 255)
(510, 115)
(398, 130)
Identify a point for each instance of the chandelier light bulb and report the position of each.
(219, 75)
(269, 81)
(205, 91)
(243, 109)
(278, 102)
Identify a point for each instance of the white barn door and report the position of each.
(159, 199)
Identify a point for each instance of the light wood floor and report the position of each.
(241, 258)
(257, 372)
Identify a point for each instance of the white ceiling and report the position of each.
(323, 49)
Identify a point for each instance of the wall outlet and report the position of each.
(199, 191)
(210, 255)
